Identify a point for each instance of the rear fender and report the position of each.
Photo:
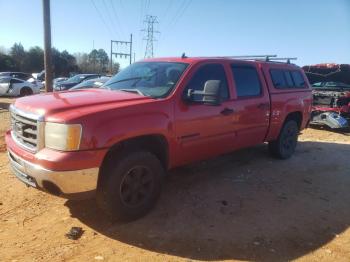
(280, 114)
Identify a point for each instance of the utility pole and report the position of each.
(150, 21)
(47, 46)
(117, 44)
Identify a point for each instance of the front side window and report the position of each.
(154, 79)
(246, 80)
(206, 73)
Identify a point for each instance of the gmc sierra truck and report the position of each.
(116, 143)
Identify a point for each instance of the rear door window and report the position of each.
(246, 80)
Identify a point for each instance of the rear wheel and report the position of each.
(285, 145)
(130, 185)
(26, 91)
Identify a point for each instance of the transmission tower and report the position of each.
(150, 22)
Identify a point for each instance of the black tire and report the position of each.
(26, 91)
(285, 145)
(130, 185)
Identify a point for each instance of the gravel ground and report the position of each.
(241, 206)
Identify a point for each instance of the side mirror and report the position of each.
(210, 94)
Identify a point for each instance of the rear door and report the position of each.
(252, 104)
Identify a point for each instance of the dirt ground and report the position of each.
(241, 206)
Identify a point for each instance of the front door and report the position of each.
(204, 130)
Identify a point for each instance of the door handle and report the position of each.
(264, 106)
(227, 111)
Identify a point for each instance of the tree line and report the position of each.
(64, 63)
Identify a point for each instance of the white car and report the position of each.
(10, 86)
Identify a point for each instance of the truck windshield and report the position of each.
(154, 79)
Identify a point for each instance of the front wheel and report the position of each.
(285, 145)
(130, 185)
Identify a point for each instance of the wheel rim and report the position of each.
(137, 186)
(289, 139)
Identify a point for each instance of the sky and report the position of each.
(314, 31)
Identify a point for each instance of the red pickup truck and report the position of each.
(117, 142)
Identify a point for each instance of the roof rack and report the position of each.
(267, 58)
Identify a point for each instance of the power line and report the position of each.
(148, 2)
(142, 5)
(117, 17)
(182, 4)
(150, 21)
(166, 11)
(180, 11)
(110, 18)
(101, 17)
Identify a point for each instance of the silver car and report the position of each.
(10, 86)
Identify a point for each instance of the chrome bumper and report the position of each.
(63, 183)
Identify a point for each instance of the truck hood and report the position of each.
(59, 102)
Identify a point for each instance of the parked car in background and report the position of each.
(69, 83)
(23, 76)
(59, 79)
(92, 83)
(10, 86)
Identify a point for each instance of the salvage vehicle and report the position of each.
(10, 86)
(331, 105)
(117, 142)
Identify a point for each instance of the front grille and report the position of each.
(25, 130)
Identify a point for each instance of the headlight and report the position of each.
(62, 137)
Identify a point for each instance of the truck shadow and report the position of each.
(243, 205)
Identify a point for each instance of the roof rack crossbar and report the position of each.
(266, 58)
(253, 56)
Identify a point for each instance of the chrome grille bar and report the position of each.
(26, 129)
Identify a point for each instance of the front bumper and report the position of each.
(75, 184)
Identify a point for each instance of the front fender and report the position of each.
(105, 129)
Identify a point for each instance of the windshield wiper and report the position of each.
(131, 91)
